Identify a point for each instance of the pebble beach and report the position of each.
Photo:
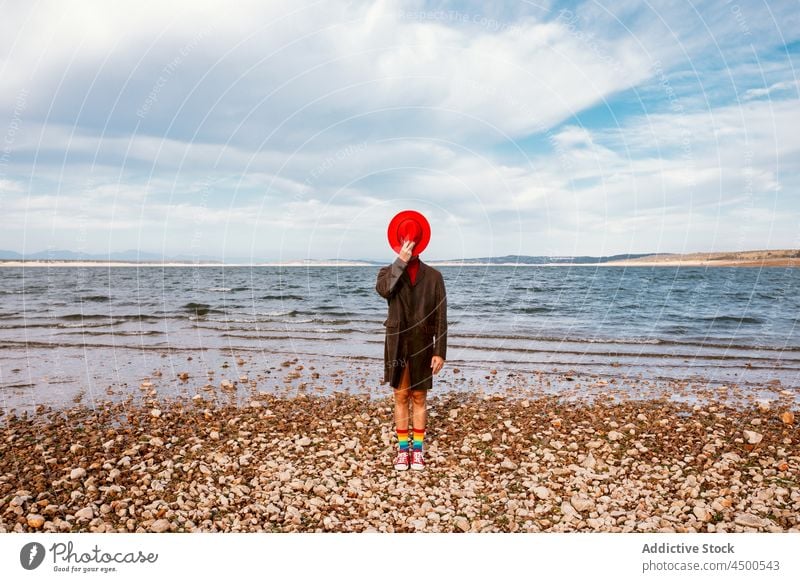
(236, 459)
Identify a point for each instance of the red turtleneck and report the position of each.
(412, 268)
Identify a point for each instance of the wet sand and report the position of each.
(595, 456)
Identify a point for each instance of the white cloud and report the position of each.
(774, 88)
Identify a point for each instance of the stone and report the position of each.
(462, 523)
(486, 437)
(749, 520)
(85, 513)
(568, 510)
(581, 502)
(614, 435)
(155, 413)
(508, 464)
(787, 417)
(304, 442)
(35, 520)
(752, 437)
(702, 513)
(78, 473)
(542, 492)
(160, 526)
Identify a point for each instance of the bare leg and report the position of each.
(401, 399)
(419, 408)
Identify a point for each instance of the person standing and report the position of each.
(415, 345)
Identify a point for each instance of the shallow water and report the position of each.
(67, 330)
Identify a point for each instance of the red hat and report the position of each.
(409, 225)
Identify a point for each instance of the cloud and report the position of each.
(300, 128)
(774, 88)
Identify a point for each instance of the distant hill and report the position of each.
(762, 258)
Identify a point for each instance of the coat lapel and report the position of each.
(421, 272)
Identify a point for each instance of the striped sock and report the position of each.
(402, 439)
(419, 435)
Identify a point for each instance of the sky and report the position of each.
(296, 130)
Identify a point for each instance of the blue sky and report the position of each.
(293, 130)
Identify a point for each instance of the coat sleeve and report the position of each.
(440, 338)
(388, 277)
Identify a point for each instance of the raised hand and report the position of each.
(405, 251)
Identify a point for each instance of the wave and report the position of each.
(733, 319)
(110, 318)
(337, 330)
(114, 333)
(96, 298)
(81, 316)
(201, 309)
(280, 313)
(58, 325)
(328, 312)
(287, 297)
(138, 317)
(276, 337)
(537, 309)
(79, 325)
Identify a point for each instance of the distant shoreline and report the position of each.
(764, 258)
(786, 263)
